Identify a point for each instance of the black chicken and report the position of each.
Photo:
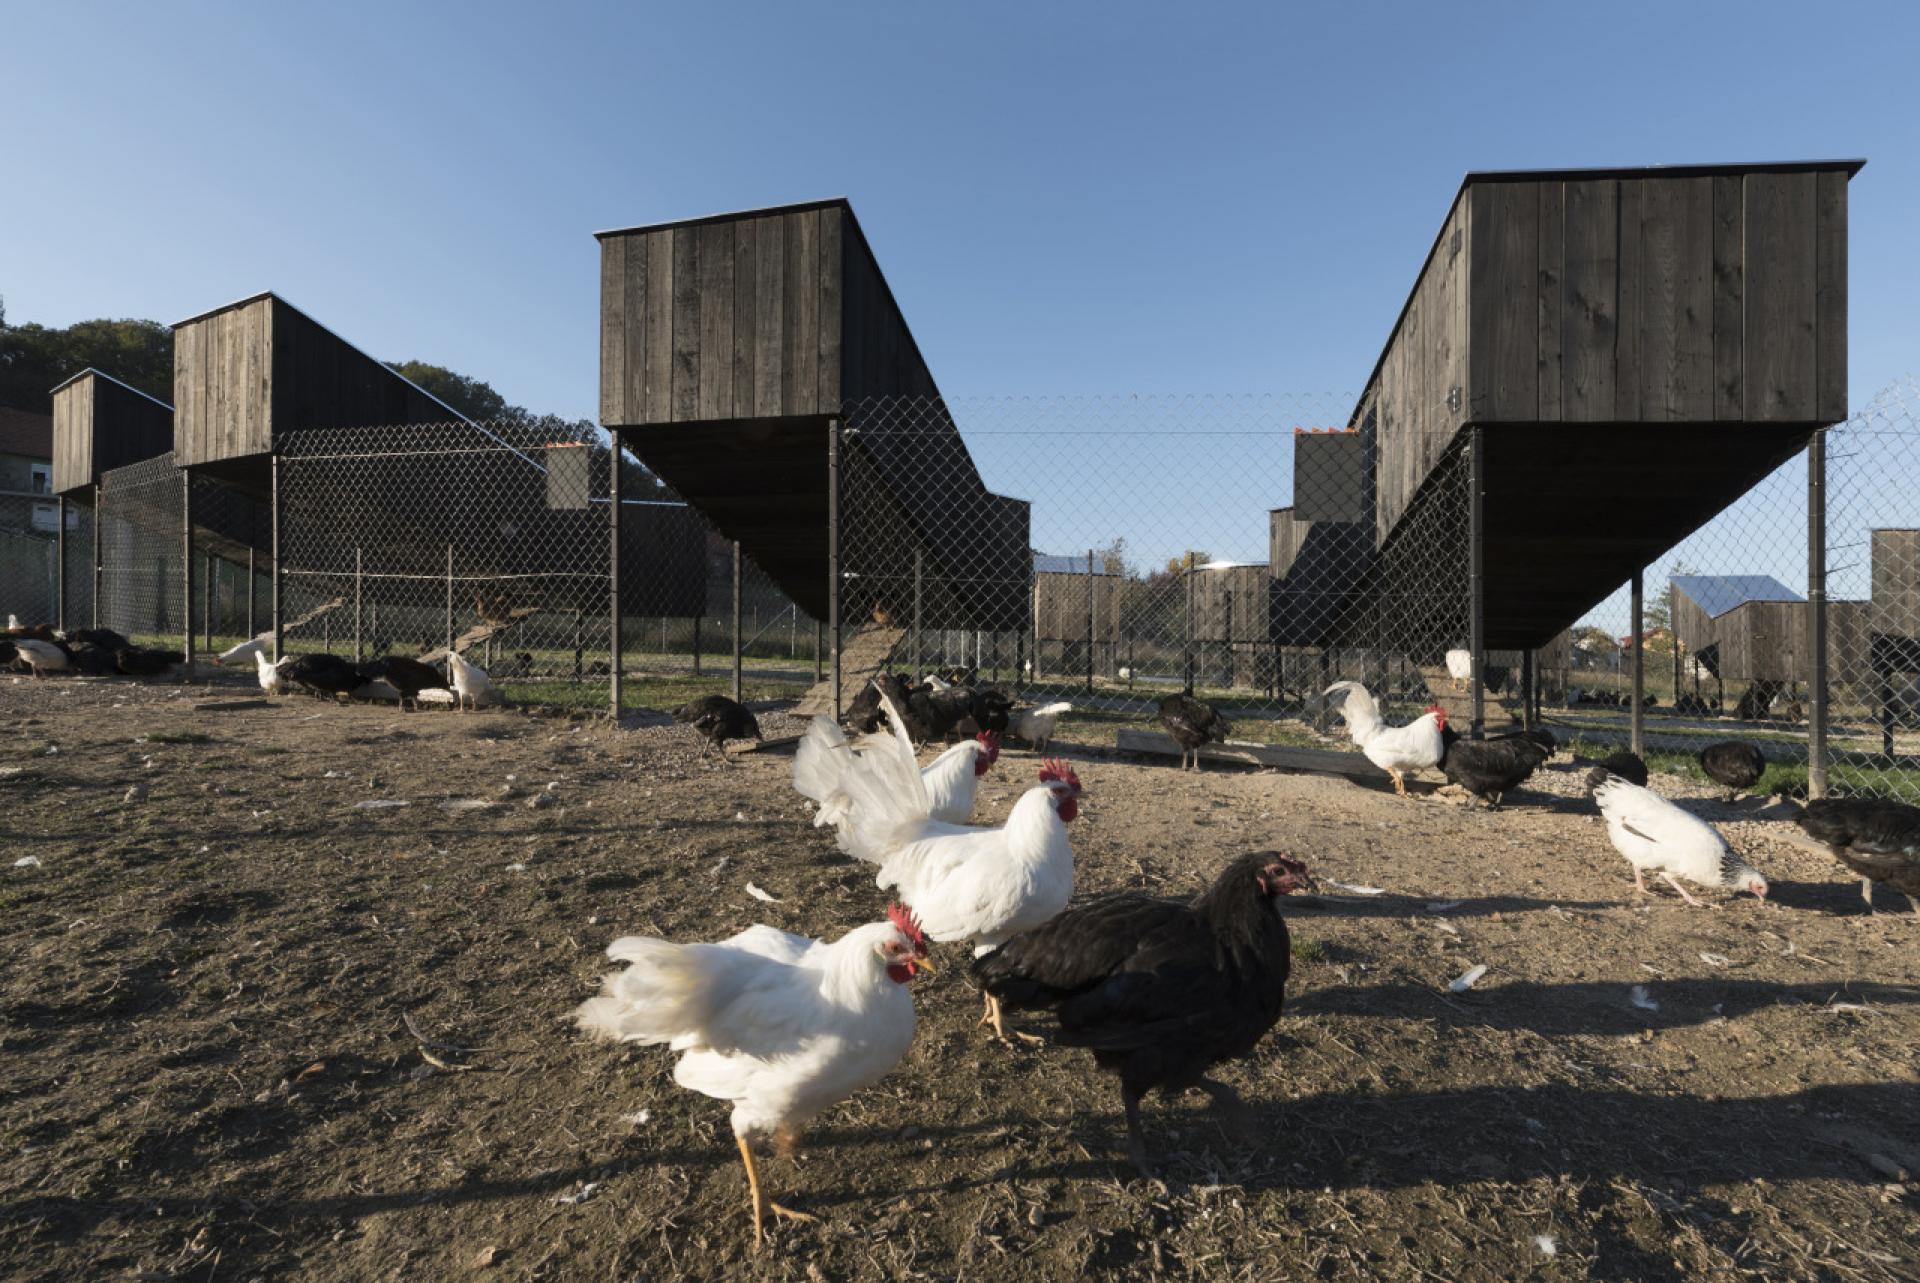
(323, 674)
(1158, 990)
(145, 661)
(718, 719)
(1628, 766)
(1537, 735)
(105, 638)
(1488, 769)
(1878, 840)
(1733, 765)
(408, 676)
(1192, 723)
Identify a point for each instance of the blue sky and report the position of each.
(1067, 198)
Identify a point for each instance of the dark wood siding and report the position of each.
(100, 423)
(262, 367)
(775, 314)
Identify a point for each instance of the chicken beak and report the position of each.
(921, 964)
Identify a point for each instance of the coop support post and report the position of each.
(819, 650)
(448, 621)
(1476, 578)
(99, 520)
(1817, 603)
(613, 585)
(833, 557)
(1526, 689)
(1638, 716)
(253, 596)
(60, 563)
(273, 535)
(919, 602)
(209, 602)
(358, 605)
(186, 565)
(737, 635)
(1188, 657)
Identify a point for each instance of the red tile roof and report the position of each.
(25, 433)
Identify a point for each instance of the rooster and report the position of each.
(782, 1026)
(980, 885)
(1878, 840)
(718, 719)
(1491, 768)
(1733, 765)
(1193, 724)
(952, 779)
(1397, 750)
(1655, 835)
(1160, 991)
(1035, 725)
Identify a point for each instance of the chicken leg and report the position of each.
(991, 1016)
(1669, 879)
(1136, 1143)
(1399, 782)
(761, 1203)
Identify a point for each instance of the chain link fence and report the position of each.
(77, 552)
(1110, 552)
(143, 593)
(1873, 597)
(29, 568)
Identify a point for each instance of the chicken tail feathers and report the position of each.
(820, 769)
(664, 993)
(887, 795)
(1358, 710)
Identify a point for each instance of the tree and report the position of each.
(1658, 614)
(1113, 557)
(34, 358)
(1187, 561)
(471, 397)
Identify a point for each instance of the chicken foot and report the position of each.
(1399, 782)
(761, 1203)
(991, 1016)
(1669, 879)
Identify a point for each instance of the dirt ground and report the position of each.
(252, 1026)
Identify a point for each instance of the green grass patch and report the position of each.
(1307, 950)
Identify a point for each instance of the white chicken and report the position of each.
(273, 676)
(471, 685)
(782, 1026)
(1460, 667)
(1657, 836)
(1035, 725)
(981, 885)
(952, 779)
(244, 651)
(42, 656)
(1397, 750)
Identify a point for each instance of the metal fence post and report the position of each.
(1817, 600)
(738, 644)
(613, 585)
(358, 598)
(279, 617)
(449, 608)
(919, 585)
(1091, 612)
(819, 649)
(1188, 658)
(833, 555)
(186, 567)
(60, 563)
(1476, 579)
(209, 601)
(99, 520)
(1638, 717)
(253, 596)
(1526, 689)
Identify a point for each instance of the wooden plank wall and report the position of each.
(1691, 623)
(1896, 582)
(1060, 606)
(763, 316)
(1718, 297)
(73, 436)
(100, 424)
(220, 387)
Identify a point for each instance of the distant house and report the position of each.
(26, 472)
(29, 517)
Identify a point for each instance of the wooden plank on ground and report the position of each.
(1289, 757)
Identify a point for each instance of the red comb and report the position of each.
(1056, 768)
(901, 916)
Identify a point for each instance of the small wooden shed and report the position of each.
(1588, 321)
(100, 423)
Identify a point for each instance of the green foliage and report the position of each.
(471, 397)
(33, 358)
